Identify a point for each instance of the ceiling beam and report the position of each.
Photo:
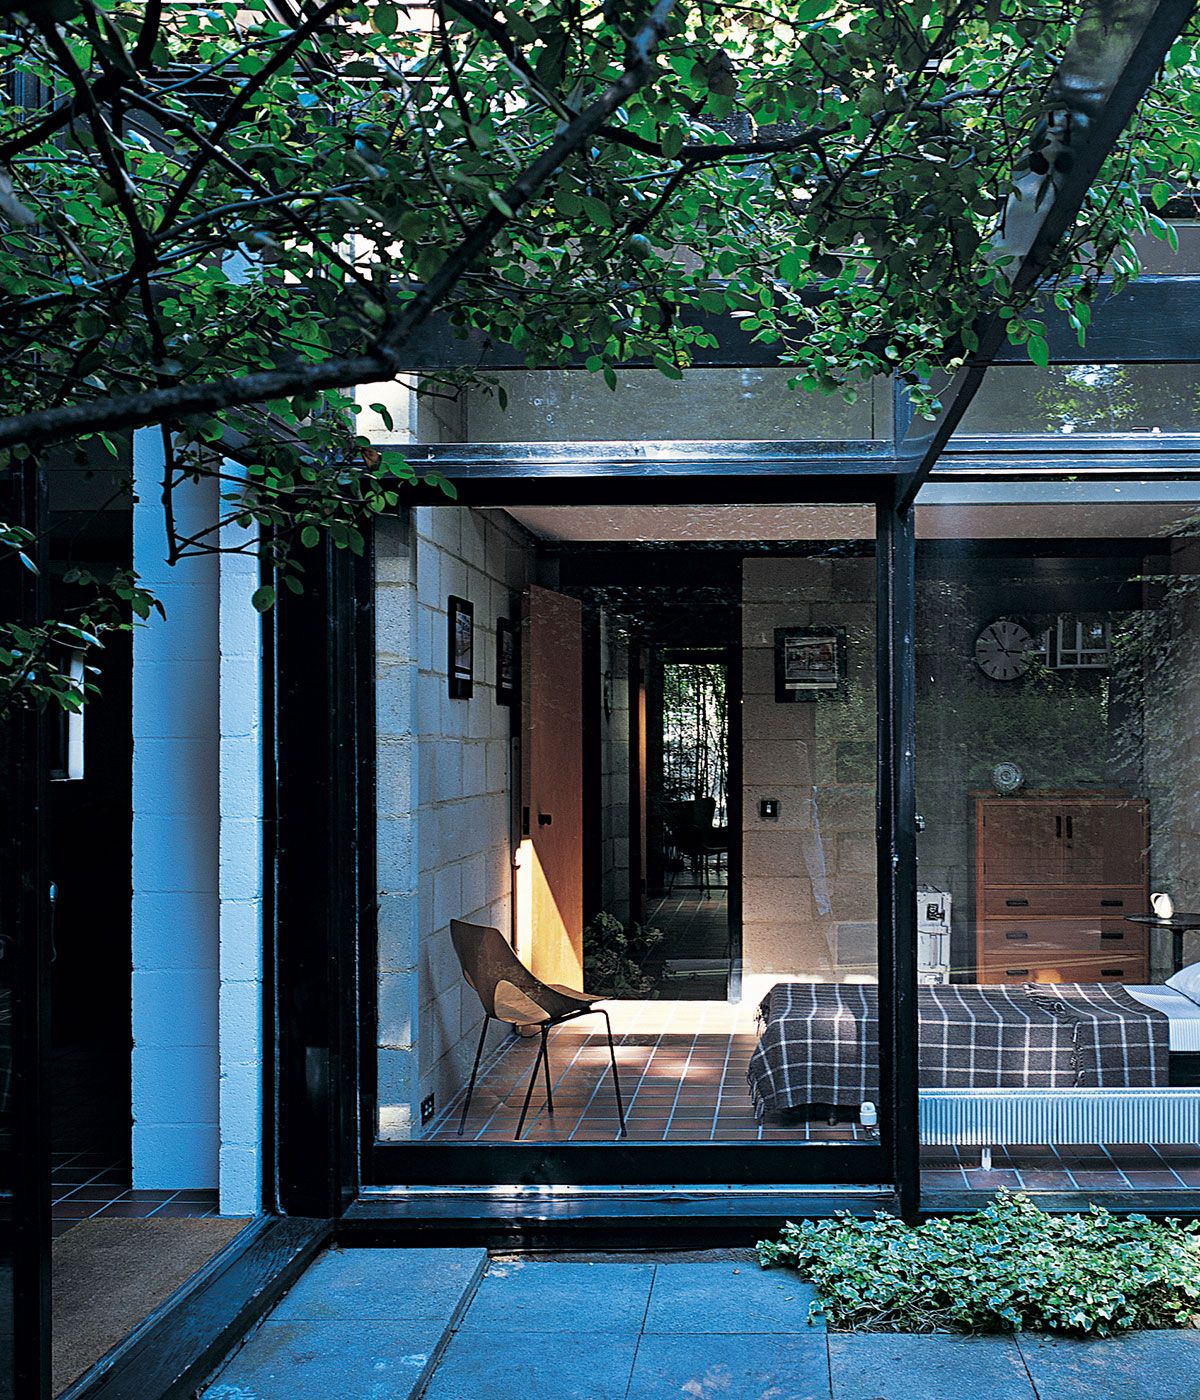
(1111, 60)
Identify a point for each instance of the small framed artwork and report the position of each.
(461, 659)
(810, 663)
(508, 662)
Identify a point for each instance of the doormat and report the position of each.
(110, 1274)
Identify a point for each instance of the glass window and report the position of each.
(1058, 670)
(1085, 399)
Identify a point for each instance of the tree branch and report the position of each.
(155, 405)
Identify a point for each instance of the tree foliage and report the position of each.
(217, 220)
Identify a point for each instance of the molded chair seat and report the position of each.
(509, 992)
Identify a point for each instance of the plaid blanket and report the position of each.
(1117, 1041)
(820, 1041)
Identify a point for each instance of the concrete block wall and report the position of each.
(176, 846)
(445, 795)
(197, 859)
(240, 881)
(808, 896)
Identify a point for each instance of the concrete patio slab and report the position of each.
(903, 1366)
(1136, 1366)
(318, 1360)
(731, 1367)
(541, 1296)
(555, 1366)
(361, 1284)
(728, 1297)
(360, 1324)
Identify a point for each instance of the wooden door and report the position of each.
(1103, 841)
(1019, 842)
(550, 929)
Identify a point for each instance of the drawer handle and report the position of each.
(1017, 903)
(1016, 972)
(1111, 933)
(1112, 904)
(1016, 935)
(1112, 972)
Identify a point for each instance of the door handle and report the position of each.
(1058, 828)
(1112, 972)
(1016, 904)
(1016, 972)
(1070, 828)
(1112, 904)
(1016, 935)
(1111, 933)
(545, 819)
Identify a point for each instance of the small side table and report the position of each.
(1178, 924)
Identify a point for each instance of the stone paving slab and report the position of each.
(361, 1284)
(360, 1324)
(728, 1366)
(729, 1297)
(322, 1360)
(481, 1365)
(534, 1296)
(904, 1366)
(1136, 1366)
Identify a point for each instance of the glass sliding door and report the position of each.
(1059, 781)
(628, 755)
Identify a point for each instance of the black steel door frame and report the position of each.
(25, 949)
(894, 1161)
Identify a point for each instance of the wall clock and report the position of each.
(1004, 650)
(1007, 778)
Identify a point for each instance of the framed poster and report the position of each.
(461, 659)
(810, 663)
(508, 662)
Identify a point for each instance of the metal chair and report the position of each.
(509, 992)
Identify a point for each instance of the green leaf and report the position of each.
(263, 598)
(1038, 351)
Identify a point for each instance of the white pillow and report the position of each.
(1187, 981)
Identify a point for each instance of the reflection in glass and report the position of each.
(1057, 791)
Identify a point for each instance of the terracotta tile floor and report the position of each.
(91, 1184)
(683, 1077)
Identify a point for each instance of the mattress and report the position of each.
(1183, 1015)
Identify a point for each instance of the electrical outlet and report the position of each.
(427, 1106)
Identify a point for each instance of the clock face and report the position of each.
(1004, 650)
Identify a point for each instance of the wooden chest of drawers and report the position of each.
(1055, 876)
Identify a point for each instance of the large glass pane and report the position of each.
(1058, 666)
(640, 745)
(1085, 400)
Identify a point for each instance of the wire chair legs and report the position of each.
(541, 1064)
(462, 1122)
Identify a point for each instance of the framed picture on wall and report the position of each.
(810, 663)
(508, 662)
(461, 660)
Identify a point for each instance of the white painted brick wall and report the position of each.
(197, 865)
(175, 847)
(241, 885)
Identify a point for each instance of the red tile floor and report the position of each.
(88, 1185)
(683, 1076)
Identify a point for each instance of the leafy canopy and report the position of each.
(194, 196)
